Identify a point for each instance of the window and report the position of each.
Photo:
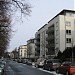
(21, 50)
(68, 32)
(68, 47)
(66, 64)
(70, 14)
(57, 24)
(21, 54)
(56, 32)
(68, 40)
(56, 40)
(68, 23)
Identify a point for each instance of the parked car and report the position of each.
(51, 64)
(33, 63)
(24, 61)
(66, 68)
(40, 62)
(29, 62)
(2, 64)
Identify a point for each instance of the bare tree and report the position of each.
(6, 9)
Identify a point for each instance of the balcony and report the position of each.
(51, 46)
(37, 38)
(37, 49)
(37, 43)
(50, 30)
(50, 38)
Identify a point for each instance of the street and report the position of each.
(14, 68)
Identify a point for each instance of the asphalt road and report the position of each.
(13, 68)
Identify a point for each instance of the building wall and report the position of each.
(11, 55)
(63, 35)
(60, 28)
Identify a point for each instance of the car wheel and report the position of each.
(43, 67)
(67, 73)
(36, 66)
(57, 71)
(49, 69)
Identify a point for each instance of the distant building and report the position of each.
(22, 50)
(12, 55)
(31, 49)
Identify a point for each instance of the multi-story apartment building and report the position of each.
(40, 42)
(31, 49)
(11, 55)
(37, 44)
(61, 32)
(22, 50)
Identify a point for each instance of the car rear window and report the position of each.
(53, 61)
(49, 61)
(72, 64)
(56, 61)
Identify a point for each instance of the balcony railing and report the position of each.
(50, 45)
(50, 37)
(37, 38)
(50, 30)
(37, 43)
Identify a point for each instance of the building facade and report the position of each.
(61, 32)
(22, 50)
(58, 34)
(31, 49)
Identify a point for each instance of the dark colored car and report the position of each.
(66, 68)
(29, 62)
(2, 64)
(51, 64)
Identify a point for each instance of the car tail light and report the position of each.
(0, 70)
(55, 65)
(72, 69)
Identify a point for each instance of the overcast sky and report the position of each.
(42, 12)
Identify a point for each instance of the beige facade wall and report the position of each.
(23, 51)
(63, 27)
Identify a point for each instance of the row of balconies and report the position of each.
(49, 31)
(37, 43)
(50, 45)
(50, 38)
